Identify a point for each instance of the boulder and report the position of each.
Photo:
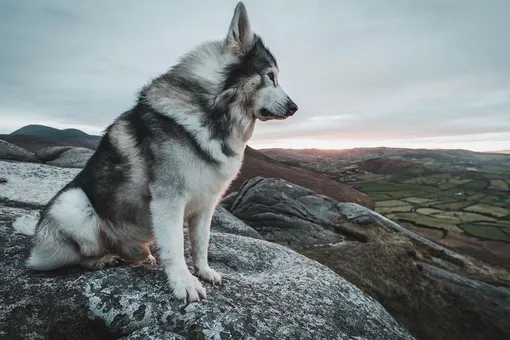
(227, 201)
(290, 214)
(268, 292)
(73, 158)
(225, 222)
(51, 152)
(33, 182)
(12, 152)
(493, 300)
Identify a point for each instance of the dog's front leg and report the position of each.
(199, 230)
(167, 223)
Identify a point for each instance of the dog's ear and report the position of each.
(240, 36)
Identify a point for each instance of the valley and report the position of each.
(446, 195)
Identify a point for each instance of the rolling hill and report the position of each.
(36, 137)
(453, 159)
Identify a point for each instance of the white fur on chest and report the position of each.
(213, 179)
(206, 183)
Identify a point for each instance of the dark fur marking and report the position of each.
(142, 133)
(105, 172)
(261, 84)
(71, 241)
(255, 61)
(170, 127)
(216, 118)
(227, 151)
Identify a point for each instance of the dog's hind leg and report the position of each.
(68, 232)
(51, 253)
(100, 262)
(137, 253)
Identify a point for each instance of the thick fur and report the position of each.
(165, 162)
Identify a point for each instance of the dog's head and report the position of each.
(254, 77)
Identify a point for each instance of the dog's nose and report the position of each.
(291, 108)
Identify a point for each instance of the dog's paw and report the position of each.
(151, 259)
(185, 286)
(210, 275)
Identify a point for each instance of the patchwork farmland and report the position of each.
(477, 207)
(456, 192)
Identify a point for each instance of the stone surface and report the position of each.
(10, 151)
(494, 301)
(33, 182)
(268, 291)
(73, 158)
(289, 214)
(229, 199)
(225, 222)
(51, 152)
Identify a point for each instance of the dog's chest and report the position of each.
(207, 184)
(215, 179)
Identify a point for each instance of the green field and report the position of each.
(499, 184)
(488, 210)
(479, 207)
(425, 221)
(454, 190)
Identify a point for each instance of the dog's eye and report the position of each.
(271, 76)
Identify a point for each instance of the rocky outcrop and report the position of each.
(224, 222)
(61, 156)
(361, 215)
(290, 214)
(494, 301)
(268, 292)
(73, 158)
(50, 153)
(10, 151)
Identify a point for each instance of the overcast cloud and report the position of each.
(373, 72)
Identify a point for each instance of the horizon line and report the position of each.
(262, 145)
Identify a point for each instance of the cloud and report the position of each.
(372, 70)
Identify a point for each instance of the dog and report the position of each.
(166, 162)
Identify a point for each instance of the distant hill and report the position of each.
(36, 137)
(390, 166)
(49, 132)
(257, 164)
(456, 159)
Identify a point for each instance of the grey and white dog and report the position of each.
(165, 162)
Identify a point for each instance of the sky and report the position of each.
(402, 73)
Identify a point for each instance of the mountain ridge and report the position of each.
(34, 137)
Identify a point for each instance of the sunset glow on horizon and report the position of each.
(473, 143)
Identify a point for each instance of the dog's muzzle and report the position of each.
(291, 108)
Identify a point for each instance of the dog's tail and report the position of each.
(25, 224)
